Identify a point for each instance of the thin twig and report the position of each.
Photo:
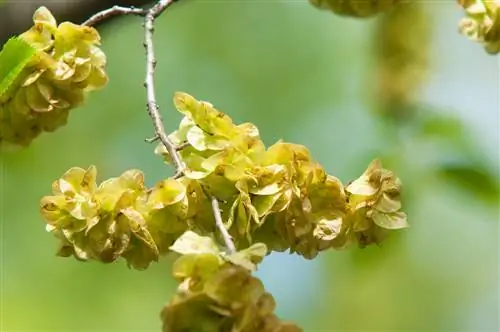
(183, 145)
(152, 139)
(220, 225)
(153, 109)
(113, 11)
(160, 7)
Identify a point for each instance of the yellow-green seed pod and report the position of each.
(375, 204)
(68, 64)
(482, 23)
(356, 8)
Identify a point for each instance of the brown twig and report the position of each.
(220, 225)
(153, 109)
(152, 139)
(183, 145)
(113, 11)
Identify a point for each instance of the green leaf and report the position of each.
(14, 57)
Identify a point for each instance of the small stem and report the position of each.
(220, 225)
(152, 139)
(153, 108)
(113, 11)
(182, 146)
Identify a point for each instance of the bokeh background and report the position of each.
(299, 74)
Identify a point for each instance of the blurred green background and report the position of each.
(299, 74)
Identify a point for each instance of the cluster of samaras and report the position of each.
(278, 196)
(67, 63)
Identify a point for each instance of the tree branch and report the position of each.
(113, 11)
(153, 109)
(220, 225)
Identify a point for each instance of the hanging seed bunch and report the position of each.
(482, 23)
(68, 63)
(217, 291)
(355, 8)
(279, 196)
(374, 205)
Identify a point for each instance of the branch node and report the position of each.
(182, 146)
(178, 175)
